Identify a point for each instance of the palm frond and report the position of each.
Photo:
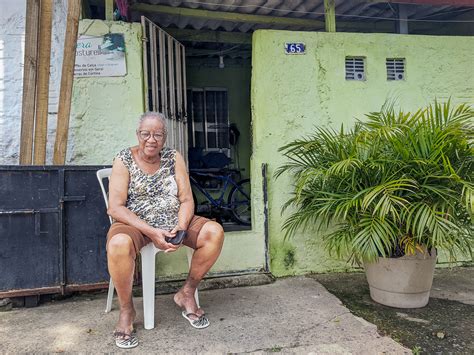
(394, 176)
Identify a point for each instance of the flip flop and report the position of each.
(125, 341)
(182, 309)
(200, 323)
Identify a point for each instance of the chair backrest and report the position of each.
(101, 175)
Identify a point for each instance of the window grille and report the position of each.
(208, 126)
(355, 68)
(395, 68)
(164, 69)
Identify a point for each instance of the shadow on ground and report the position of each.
(444, 326)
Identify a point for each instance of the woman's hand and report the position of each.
(158, 236)
(176, 229)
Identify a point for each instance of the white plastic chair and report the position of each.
(148, 253)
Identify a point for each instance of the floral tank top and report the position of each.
(153, 198)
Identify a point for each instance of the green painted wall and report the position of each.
(293, 93)
(105, 110)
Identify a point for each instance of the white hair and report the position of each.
(154, 115)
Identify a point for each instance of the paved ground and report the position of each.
(444, 326)
(295, 315)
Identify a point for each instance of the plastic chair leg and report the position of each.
(189, 254)
(148, 283)
(110, 296)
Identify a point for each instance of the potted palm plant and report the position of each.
(389, 193)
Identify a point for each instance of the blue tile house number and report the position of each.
(295, 48)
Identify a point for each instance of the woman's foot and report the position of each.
(185, 300)
(126, 319)
(124, 334)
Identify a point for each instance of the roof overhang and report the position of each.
(431, 2)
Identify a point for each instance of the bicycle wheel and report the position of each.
(239, 202)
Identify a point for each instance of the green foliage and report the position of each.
(393, 183)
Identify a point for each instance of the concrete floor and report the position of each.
(454, 284)
(292, 315)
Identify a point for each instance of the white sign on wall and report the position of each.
(100, 56)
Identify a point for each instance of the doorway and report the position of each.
(204, 90)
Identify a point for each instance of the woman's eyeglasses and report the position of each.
(145, 135)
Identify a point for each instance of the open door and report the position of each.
(164, 70)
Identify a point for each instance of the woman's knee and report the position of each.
(120, 245)
(213, 232)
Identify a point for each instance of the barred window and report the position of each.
(208, 120)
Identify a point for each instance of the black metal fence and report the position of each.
(52, 230)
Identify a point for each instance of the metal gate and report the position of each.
(53, 227)
(164, 68)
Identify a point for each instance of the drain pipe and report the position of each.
(265, 213)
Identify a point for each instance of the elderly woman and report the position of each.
(150, 200)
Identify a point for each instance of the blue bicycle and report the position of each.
(238, 200)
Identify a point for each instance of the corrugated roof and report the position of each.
(355, 10)
(376, 16)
